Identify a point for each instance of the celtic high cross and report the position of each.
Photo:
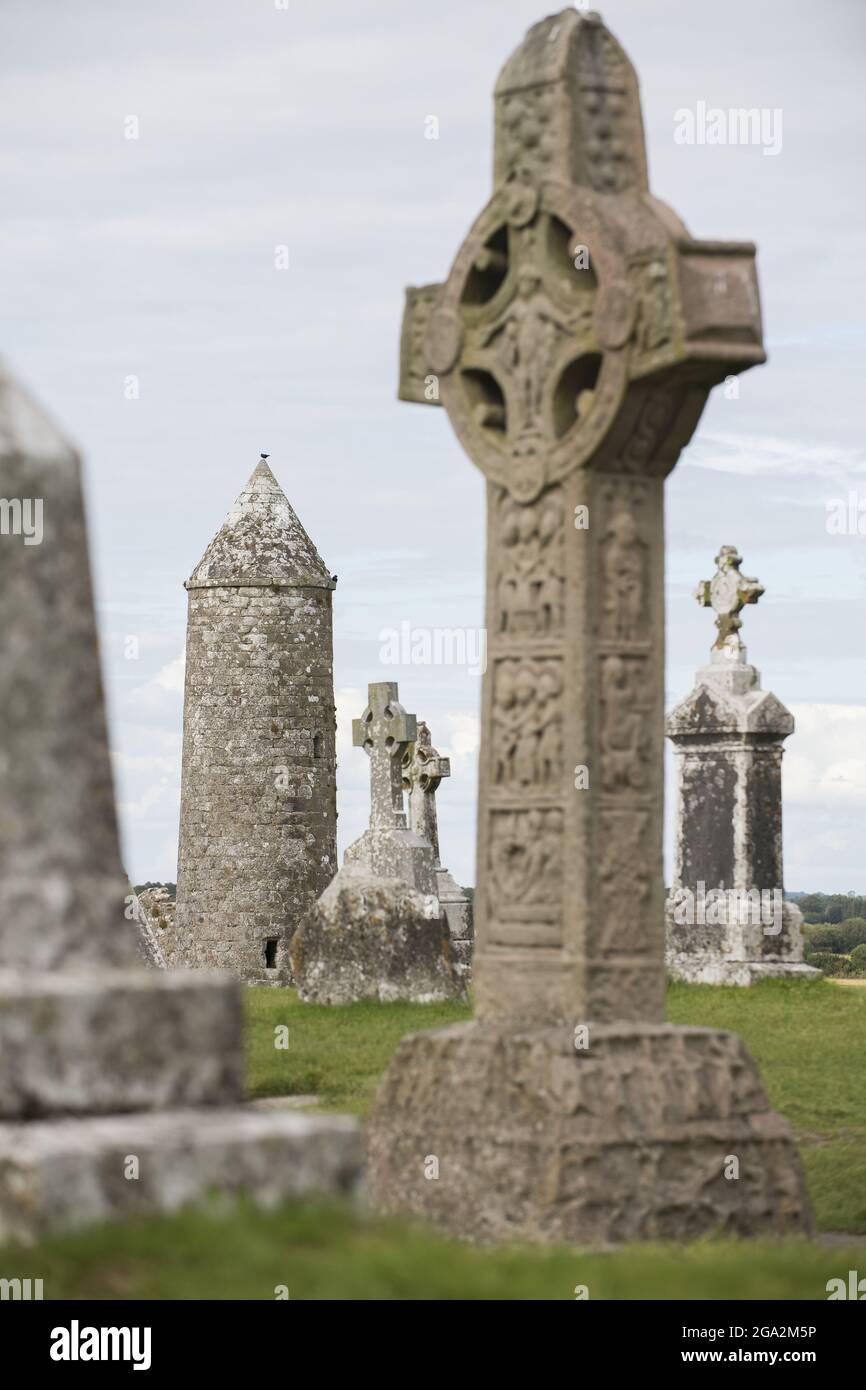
(423, 770)
(573, 346)
(385, 731)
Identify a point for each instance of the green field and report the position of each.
(329, 1253)
(337, 1054)
(808, 1039)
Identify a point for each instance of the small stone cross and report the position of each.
(385, 731)
(727, 593)
(423, 770)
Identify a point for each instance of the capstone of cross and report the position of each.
(727, 593)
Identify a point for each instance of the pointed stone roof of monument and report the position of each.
(261, 541)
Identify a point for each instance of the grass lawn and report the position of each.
(331, 1253)
(335, 1053)
(808, 1039)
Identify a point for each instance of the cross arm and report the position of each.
(360, 734)
(430, 771)
(719, 304)
(703, 594)
(418, 381)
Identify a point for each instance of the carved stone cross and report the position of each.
(727, 593)
(573, 346)
(385, 731)
(423, 770)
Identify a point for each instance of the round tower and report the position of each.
(258, 814)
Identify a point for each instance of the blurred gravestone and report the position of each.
(423, 771)
(101, 1059)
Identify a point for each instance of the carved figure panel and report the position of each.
(527, 725)
(526, 340)
(625, 730)
(527, 122)
(624, 570)
(650, 284)
(525, 863)
(530, 342)
(530, 582)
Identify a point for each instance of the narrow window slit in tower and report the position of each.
(317, 745)
(271, 953)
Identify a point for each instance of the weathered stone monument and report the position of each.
(423, 771)
(389, 848)
(119, 1085)
(573, 346)
(378, 931)
(727, 919)
(258, 791)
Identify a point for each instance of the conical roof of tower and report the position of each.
(261, 541)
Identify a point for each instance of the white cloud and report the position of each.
(763, 453)
(350, 702)
(826, 760)
(464, 735)
(162, 695)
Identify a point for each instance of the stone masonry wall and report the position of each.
(258, 817)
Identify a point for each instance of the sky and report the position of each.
(212, 208)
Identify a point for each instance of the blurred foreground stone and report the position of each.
(101, 1059)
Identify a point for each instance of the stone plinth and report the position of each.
(626, 1140)
(374, 938)
(573, 347)
(395, 853)
(727, 918)
(96, 1041)
(62, 1175)
(458, 914)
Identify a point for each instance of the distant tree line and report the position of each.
(834, 932)
(829, 907)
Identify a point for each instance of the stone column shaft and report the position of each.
(576, 931)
